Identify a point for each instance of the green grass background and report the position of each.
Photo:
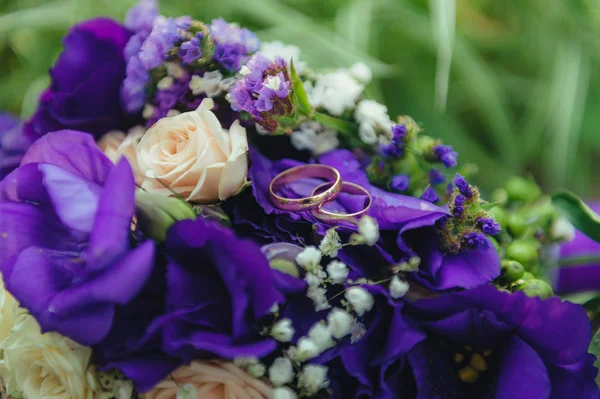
(511, 84)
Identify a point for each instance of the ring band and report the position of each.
(306, 171)
(349, 188)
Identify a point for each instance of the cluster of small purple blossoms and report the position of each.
(264, 91)
(395, 148)
(233, 45)
(191, 50)
(458, 208)
(446, 155)
(475, 240)
(489, 226)
(463, 186)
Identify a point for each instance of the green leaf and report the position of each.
(492, 205)
(299, 91)
(578, 213)
(595, 350)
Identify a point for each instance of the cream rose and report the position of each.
(116, 144)
(191, 155)
(211, 380)
(36, 365)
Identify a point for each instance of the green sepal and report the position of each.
(300, 93)
(578, 213)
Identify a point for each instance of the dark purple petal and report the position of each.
(146, 371)
(577, 380)
(578, 278)
(522, 374)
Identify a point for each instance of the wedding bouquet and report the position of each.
(191, 213)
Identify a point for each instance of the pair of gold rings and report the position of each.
(321, 195)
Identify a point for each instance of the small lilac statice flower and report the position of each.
(233, 45)
(475, 240)
(395, 148)
(264, 91)
(463, 186)
(400, 182)
(165, 34)
(489, 226)
(190, 50)
(446, 155)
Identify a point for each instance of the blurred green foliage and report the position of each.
(511, 84)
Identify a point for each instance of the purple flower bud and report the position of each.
(399, 132)
(436, 177)
(190, 50)
(400, 182)
(458, 208)
(430, 195)
(446, 155)
(463, 186)
(233, 45)
(489, 226)
(476, 241)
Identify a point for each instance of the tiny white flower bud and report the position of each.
(309, 259)
(175, 70)
(173, 112)
(283, 331)
(245, 70)
(339, 323)
(284, 393)
(368, 228)
(362, 72)
(187, 391)
(281, 371)
(317, 295)
(165, 83)
(320, 335)
(306, 349)
(398, 287)
(148, 111)
(313, 378)
(274, 308)
(360, 299)
(331, 243)
(337, 271)
(358, 331)
(312, 280)
(256, 370)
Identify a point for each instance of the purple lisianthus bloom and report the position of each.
(13, 143)
(580, 263)
(483, 343)
(86, 81)
(65, 251)
(233, 45)
(407, 225)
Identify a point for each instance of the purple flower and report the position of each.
(233, 45)
(462, 185)
(13, 143)
(436, 177)
(430, 195)
(140, 18)
(190, 50)
(65, 253)
(164, 35)
(398, 132)
(446, 155)
(482, 343)
(475, 240)
(86, 80)
(580, 263)
(264, 91)
(458, 208)
(489, 226)
(400, 182)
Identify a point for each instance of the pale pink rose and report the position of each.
(192, 155)
(211, 380)
(116, 144)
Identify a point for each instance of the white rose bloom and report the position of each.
(335, 92)
(194, 157)
(37, 365)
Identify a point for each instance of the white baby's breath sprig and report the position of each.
(331, 243)
(282, 330)
(309, 259)
(281, 371)
(312, 379)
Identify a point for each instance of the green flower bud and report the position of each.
(511, 271)
(523, 251)
(536, 287)
(156, 213)
(528, 276)
(500, 196)
(521, 189)
(284, 266)
(517, 225)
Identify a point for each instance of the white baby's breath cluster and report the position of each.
(212, 84)
(312, 136)
(375, 125)
(288, 52)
